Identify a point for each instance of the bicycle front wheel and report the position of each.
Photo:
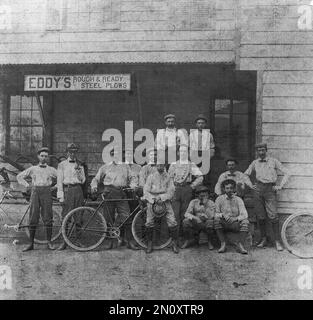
(297, 234)
(41, 232)
(84, 228)
(161, 238)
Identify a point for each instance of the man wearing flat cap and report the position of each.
(42, 178)
(168, 139)
(266, 172)
(202, 146)
(71, 176)
(199, 216)
(201, 138)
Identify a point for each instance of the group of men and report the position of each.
(178, 187)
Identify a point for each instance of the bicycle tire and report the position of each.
(40, 236)
(138, 231)
(91, 216)
(292, 229)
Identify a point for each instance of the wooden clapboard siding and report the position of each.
(272, 43)
(142, 31)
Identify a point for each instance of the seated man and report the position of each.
(160, 189)
(231, 215)
(239, 177)
(199, 217)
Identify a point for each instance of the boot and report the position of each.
(129, 239)
(32, 232)
(149, 237)
(275, 226)
(262, 243)
(50, 246)
(174, 235)
(241, 248)
(189, 239)
(109, 246)
(210, 245)
(221, 237)
(62, 246)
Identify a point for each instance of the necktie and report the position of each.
(72, 161)
(42, 166)
(262, 160)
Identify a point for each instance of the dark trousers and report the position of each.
(73, 198)
(120, 207)
(182, 197)
(40, 205)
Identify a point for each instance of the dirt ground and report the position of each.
(195, 273)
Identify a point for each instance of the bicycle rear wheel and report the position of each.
(161, 237)
(84, 228)
(41, 233)
(297, 234)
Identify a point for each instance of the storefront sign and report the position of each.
(77, 82)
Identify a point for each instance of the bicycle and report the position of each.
(85, 228)
(297, 234)
(40, 237)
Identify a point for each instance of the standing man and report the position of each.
(71, 177)
(159, 189)
(199, 216)
(168, 139)
(239, 177)
(201, 142)
(42, 178)
(266, 169)
(186, 176)
(231, 215)
(115, 176)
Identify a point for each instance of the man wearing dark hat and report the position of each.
(71, 176)
(230, 214)
(186, 176)
(202, 146)
(42, 178)
(199, 216)
(201, 139)
(115, 176)
(266, 171)
(159, 189)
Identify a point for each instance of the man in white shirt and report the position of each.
(168, 139)
(71, 176)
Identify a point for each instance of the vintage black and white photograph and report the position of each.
(156, 150)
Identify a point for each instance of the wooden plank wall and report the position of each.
(71, 31)
(272, 42)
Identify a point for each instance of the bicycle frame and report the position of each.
(103, 205)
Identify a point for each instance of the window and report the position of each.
(25, 132)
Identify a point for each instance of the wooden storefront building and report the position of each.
(246, 64)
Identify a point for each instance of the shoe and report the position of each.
(188, 243)
(210, 245)
(241, 249)
(222, 249)
(149, 247)
(131, 245)
(50, 246)
(262, 243)
(62, 246)
(109, 246)
(175, 247)
(278, 246)
(28, 248)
